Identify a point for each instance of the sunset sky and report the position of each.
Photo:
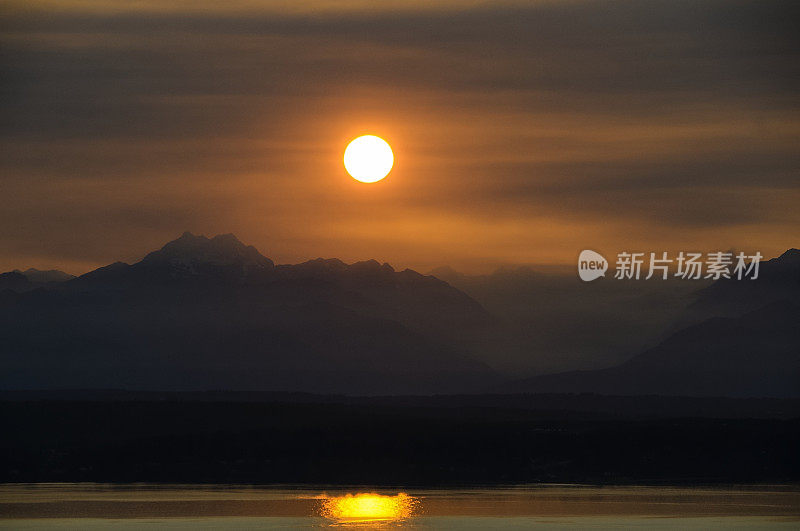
(522, 132)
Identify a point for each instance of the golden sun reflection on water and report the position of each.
(367, 507)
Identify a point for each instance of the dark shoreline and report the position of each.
(409, 441)
(593, 405)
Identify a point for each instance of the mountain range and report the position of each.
(29, 279)
(215, 314)
(736, 338)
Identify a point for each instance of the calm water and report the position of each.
(94, 506)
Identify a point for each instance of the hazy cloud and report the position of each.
(645, 123)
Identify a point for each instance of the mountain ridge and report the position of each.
(739, 338)
(213, 313)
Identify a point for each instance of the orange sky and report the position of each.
(522, 133)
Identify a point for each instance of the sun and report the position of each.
(368, 158)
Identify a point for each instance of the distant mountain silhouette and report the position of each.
(779, 279)
(15, 281)
(31, 279)
(43, 277)
(548, 320)
(190, 254)
(747, 352)
(214, 313)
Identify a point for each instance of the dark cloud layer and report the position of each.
(523, 132)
